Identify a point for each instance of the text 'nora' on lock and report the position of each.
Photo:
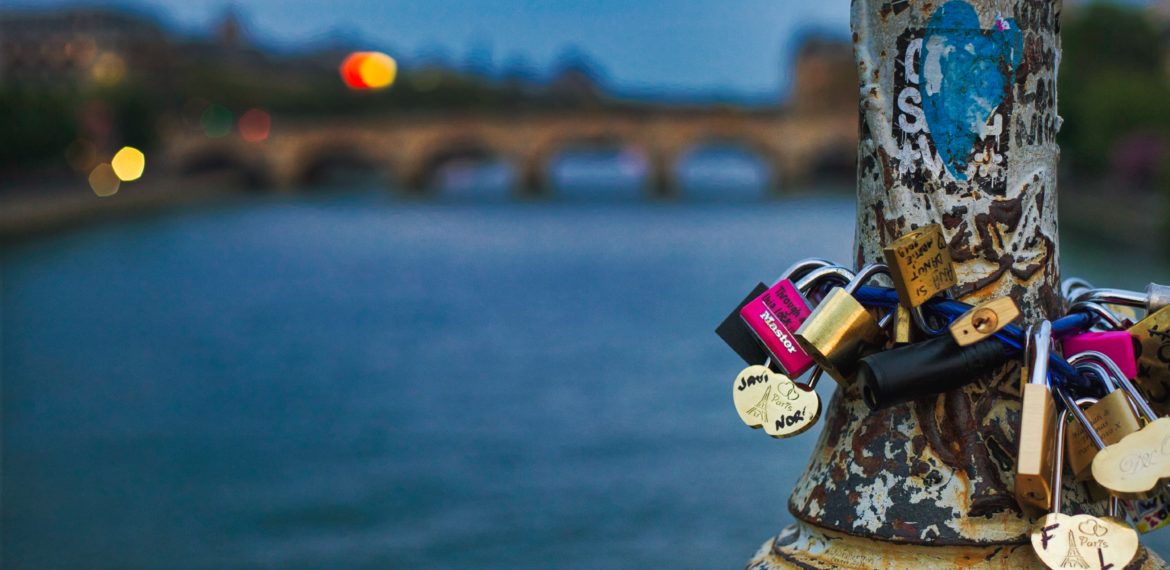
(920, 265)
(841, 330)
(1113, 417)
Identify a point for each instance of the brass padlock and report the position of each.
(1152, 344)
(1070, 541)
(1113, 416)
(841, 330)
(920, 265)
(984, 320)
(1034, 461)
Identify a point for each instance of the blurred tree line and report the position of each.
(1114, 94)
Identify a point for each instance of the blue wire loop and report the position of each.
(1061, 373)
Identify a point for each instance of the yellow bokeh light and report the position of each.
(128, 164)
(108, 69)
(103, 180)
(378, 70)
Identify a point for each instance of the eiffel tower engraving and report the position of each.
(760, 410)
(1073, 558)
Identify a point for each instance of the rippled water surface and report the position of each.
(354, 382)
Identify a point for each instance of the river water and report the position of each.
(352, 381)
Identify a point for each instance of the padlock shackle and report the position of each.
(1057, 482)
(865, 274)
(1113, 297)
(813, 277)
(1098, 309)
(1037, 349)
(1119, 377)
(1070, 405)
(802, 267)
(1072, 286)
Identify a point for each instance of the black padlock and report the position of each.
(921, 369)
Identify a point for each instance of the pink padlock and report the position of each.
(1117, 345)
(772, 317)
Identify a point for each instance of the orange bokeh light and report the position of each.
(366, 70)
(254, 125)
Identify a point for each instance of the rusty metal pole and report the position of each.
(958, 126)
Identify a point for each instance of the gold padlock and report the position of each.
(1034, 462)
(920, 264)
(984, 320)
(1152, 342)
(841, 330)
(1113, 418)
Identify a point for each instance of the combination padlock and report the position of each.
(1064, 541)
(1113, 416)
(1034, 461)
(841, 330)
(776, 313)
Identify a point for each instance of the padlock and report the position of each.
(984, 320)
(781, 309)
(1152, 345)
(925, 368)
(739, 336)
(1112, 416)
(766, 399)
(1138, 463)
(841, 330)
(1117, 345)
(920, 265)
(1034, 457)
(1064, 541)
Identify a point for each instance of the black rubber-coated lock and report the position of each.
(921, 369)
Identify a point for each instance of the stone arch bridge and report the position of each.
(411, 149)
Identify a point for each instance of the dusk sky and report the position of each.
(683, 48)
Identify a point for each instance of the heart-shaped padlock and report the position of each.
(1083, 541)
(773, 401)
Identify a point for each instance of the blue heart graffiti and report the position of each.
(966, 72)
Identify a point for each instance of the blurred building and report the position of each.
(825, 79)
(64, 49)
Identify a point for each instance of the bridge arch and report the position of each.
(632, 157)
(421, 174)
(741, 148)
(248, 169)
(321, 164)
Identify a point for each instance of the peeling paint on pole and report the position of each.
(958, 125)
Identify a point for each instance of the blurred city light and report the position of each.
(128, 164)
(368, 70)
(108, 69)
(216, 121)
(104, 181)
(254, 125)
